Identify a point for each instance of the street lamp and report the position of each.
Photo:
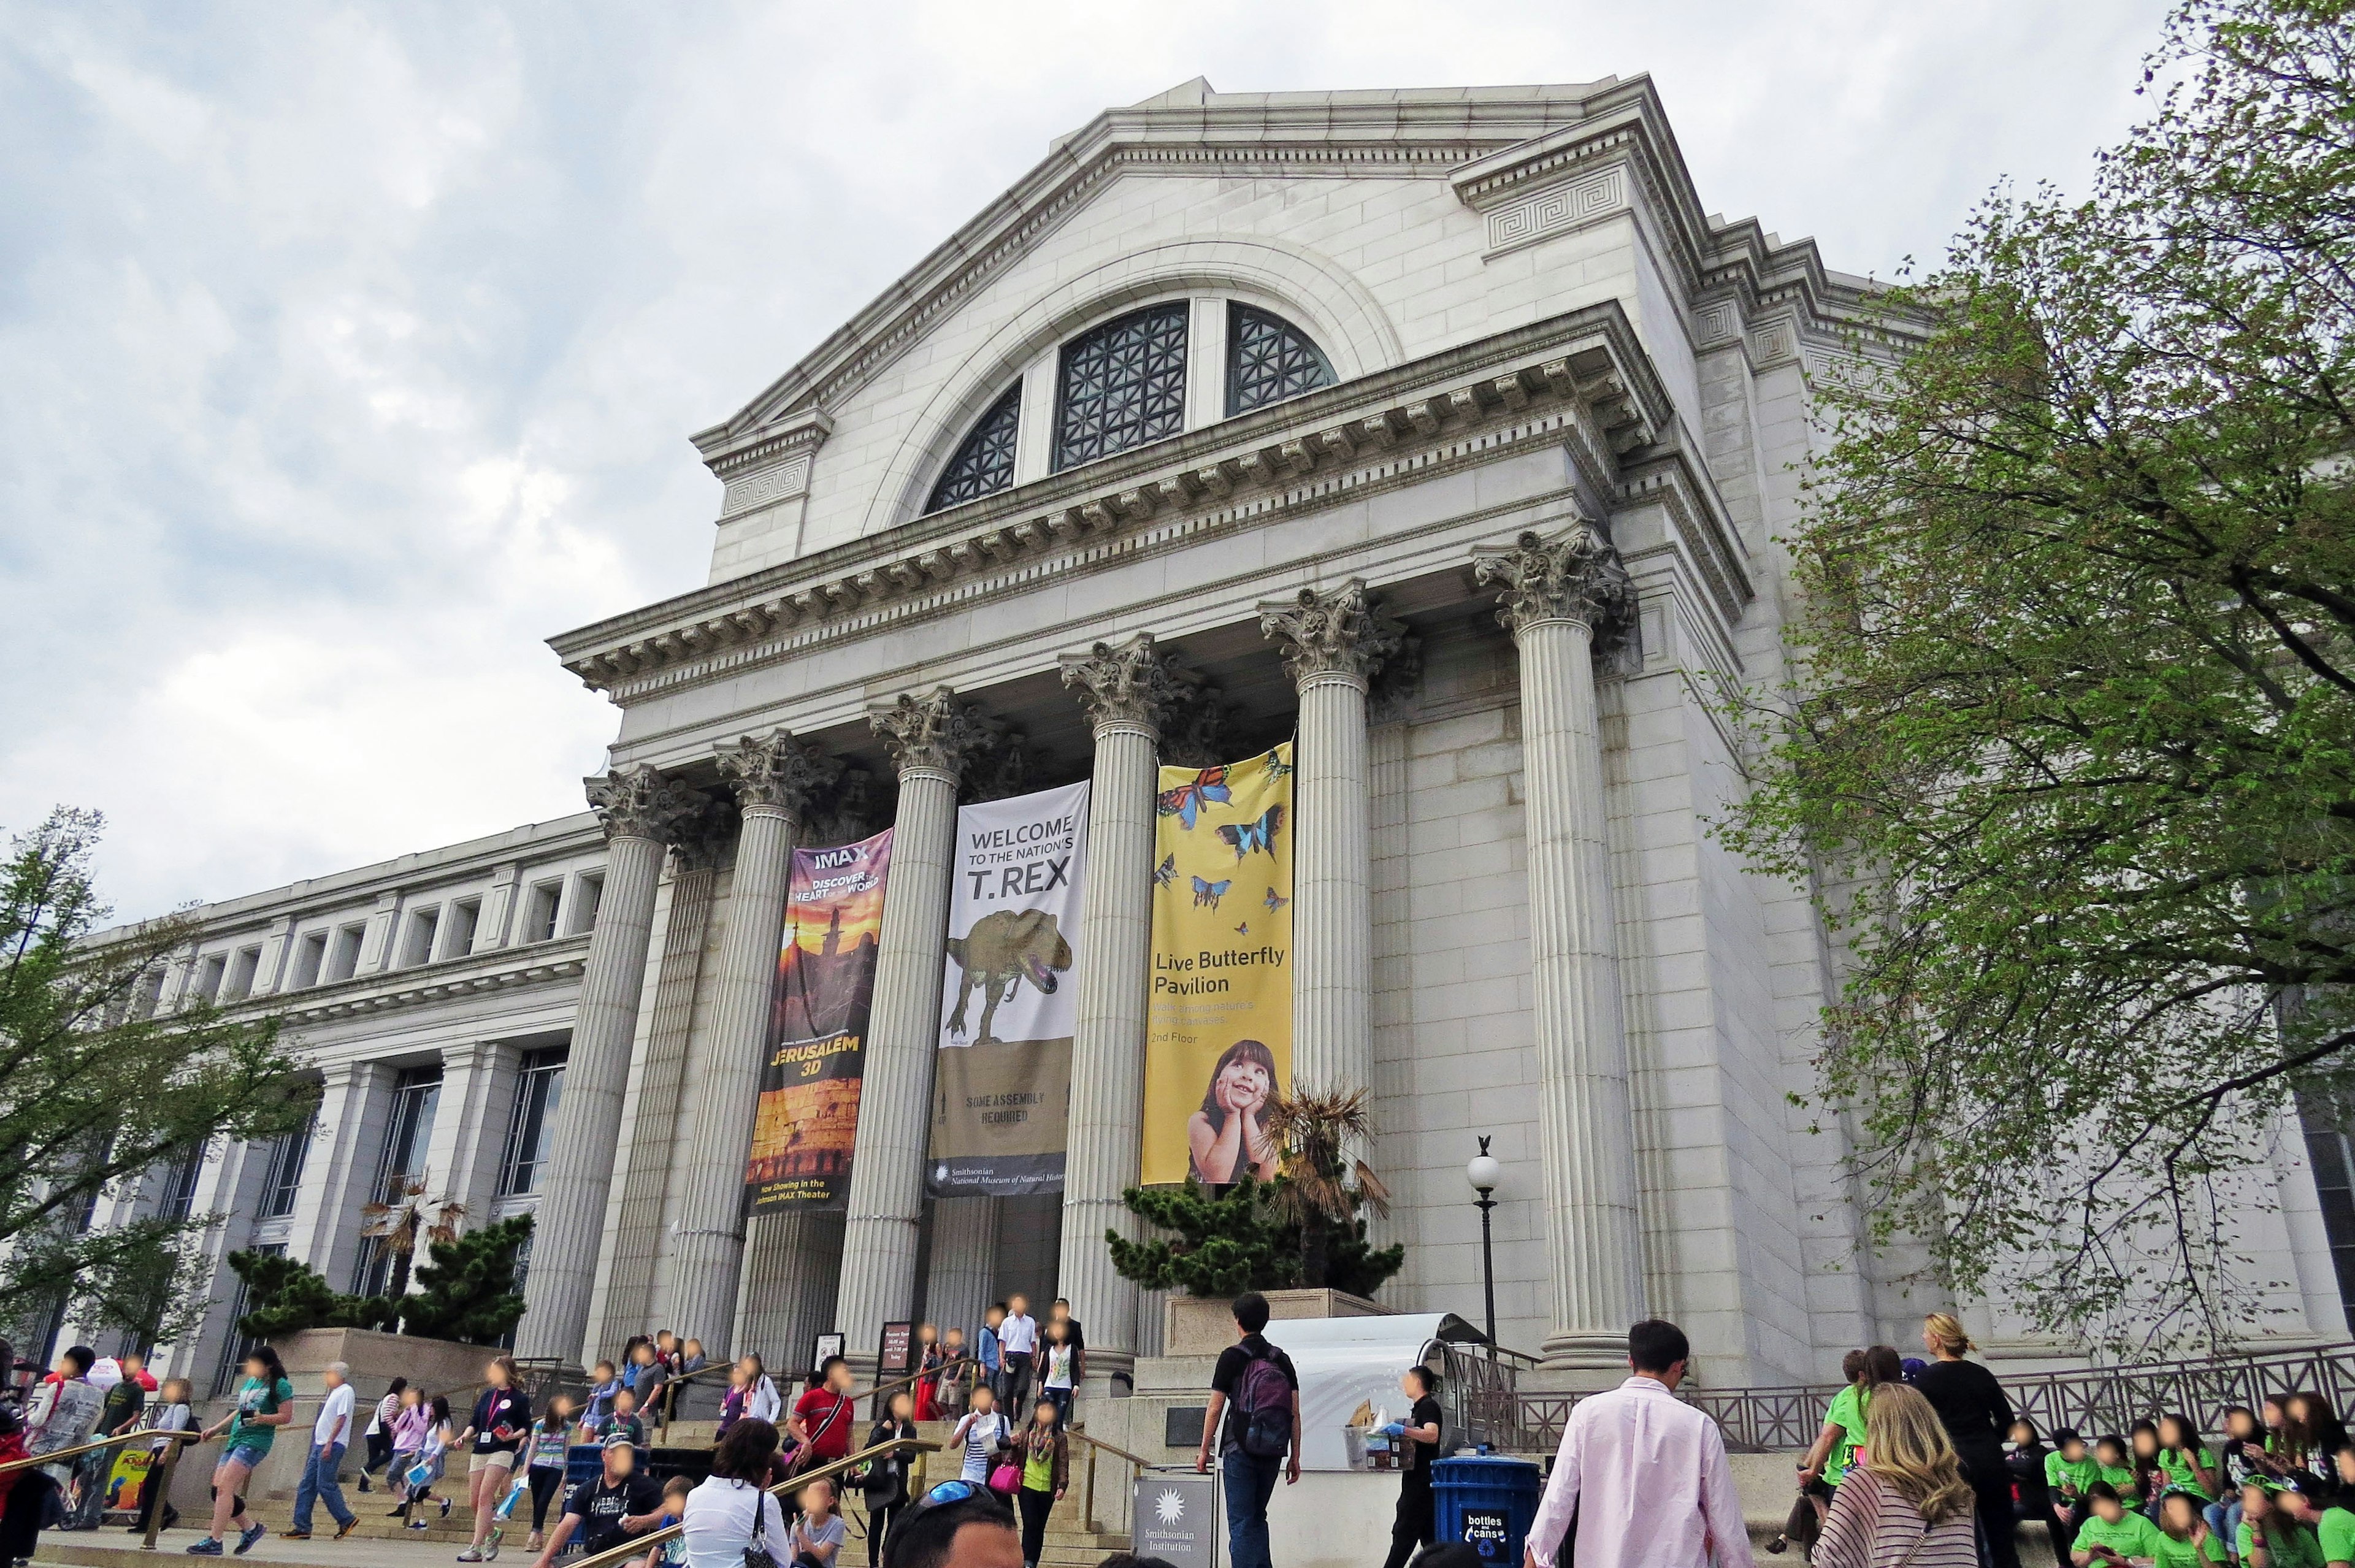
(1483, 1172)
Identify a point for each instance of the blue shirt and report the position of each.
(988, 1349)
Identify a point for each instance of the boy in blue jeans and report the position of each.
(991, 1350)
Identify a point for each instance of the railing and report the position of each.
(875, 1397)
(637, 1545)
(1136, 1463)
(161, 1481)
(2094, 1400)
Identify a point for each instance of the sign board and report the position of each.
(1175, 1517)
(1488, 1531)
(897, 1353)
(126, 1484)
(1181, 1425)
(825, 1345)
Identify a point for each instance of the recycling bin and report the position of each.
(1489, 1503)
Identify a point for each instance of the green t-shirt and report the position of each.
(2292, 1548)
(2133, 1536)
(2182, 1477)
(2061, 1473)
(1846, 1414)
(2174, 1553)
(255, 1397)
(2122, 1481)
(2338, 1533)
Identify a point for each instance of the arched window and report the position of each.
(1268, 360)
(1121, 385)
(984, 464)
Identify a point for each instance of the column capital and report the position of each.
(1344, 632)
(1574, 575)
(701, 836)
(641, 802)
(1134, 684)
(934, 732)
(778, 772)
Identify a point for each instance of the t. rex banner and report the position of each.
(1002, 1091)
(1217, 1022)
(808, 1114)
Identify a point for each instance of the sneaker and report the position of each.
(470, 1555)
(348, 1526)
(364, 1482)
(207, 1547)
(535, 1543)
(445, 1508)
(418, 1524)
(253, 1532)
(294, 1535)
(396, 1513)
(491, 1547)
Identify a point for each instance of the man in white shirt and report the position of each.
(1017, 1347)
(331, 1433)
(1642, 1473)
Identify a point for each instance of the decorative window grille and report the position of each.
(1121, 385)
(984, 464)
(1268, 360)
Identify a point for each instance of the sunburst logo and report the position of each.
(1169, 1508)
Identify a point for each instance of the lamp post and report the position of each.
(1483, 1172)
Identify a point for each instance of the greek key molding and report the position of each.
(1558, 210)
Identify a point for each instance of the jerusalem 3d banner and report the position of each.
(1218, 1022)
(808, 1114)
(1002, 1091)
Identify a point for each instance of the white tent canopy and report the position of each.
(1345, 1362)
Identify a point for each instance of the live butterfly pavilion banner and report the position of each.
(1219, 1020)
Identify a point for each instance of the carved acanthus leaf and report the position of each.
(1574, 575)
(934, 731)
(777, 770)
(1344, 632)
(1135, 682)
(641, 802)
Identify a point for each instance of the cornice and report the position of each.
(1582, 377)
(505, 968)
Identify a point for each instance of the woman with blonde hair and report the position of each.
(1907, 1500)
(1972, 1406)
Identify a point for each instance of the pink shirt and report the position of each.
(1645, 1475)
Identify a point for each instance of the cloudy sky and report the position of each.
(347, 352)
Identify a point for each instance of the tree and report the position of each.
(399, 1221)
(469, 1285)
(2067, 753)
(285, 1296)
(1319, 1185)
(1228, 1240)
(98, 1090)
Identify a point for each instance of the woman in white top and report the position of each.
(724, 1512)
(761, 1402)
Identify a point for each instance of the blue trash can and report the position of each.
(1489, 1503)
(582, 1462)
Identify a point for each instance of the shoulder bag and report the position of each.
(756, 1550)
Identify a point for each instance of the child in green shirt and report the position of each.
(2110, 1459)
(2185, 1540)
(2112, 1535)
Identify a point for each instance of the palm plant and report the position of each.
(1320, 1182)
(403, 1220)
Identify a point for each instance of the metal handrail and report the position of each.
(638, 1543)
(34, 1461)
(914, 1377)
(1088, 1491)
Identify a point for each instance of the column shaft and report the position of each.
(963, 1263)
(792, 1266)
(1332, 927)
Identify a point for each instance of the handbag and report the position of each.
(756, 1550)
(1005, 1479)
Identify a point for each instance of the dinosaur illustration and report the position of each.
(998, 954)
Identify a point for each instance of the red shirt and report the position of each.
(827, 1418)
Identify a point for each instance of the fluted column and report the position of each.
(929, 738)
(1559, 594)
(773, 778)
(640, 808)
(792, 1265)
(1128, 690)
(1333, 644)
(964, 1263)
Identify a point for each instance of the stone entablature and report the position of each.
(446, 979)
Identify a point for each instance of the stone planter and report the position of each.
(1205, 1325)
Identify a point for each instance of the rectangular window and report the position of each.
(418, 947)
(242, 969)
(538, 1089)
(2334, 1186)
(408, 1132)
(180, 1186)
(284, 1177)
(207, 984)
(236, 1345)
(344, 961)
(308, 958)
(586, 894)
(458, 938)
(539, 912)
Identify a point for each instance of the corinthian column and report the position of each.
(1333, 644)
(1559, 594)
(929, 738)
(1128, 692)
(640, 810)
(772, 779)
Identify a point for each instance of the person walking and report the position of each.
(1906, 1502)
(1835, 1446)
(1058, 1369)
(1254, 1416)
(761, 1401)
(1044, 1453)
(982, 1433)
(550, 1446)
(122, 1399)
(1017, 1343)
(1976, 1414)
(1641, 1475)
(822, 1418)
(1061, 1313)
(265, 1402)
(380, 1430)
(501, 1422)
(887, 1479)
(409, 1425)
(731, 1511)
(1416, 1522)
(174, 1411)
(65, 1408)
(929, 1358)
(433, 1463)
(331, 1433)
(990, 1349)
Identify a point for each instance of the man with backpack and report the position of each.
(1257, 1393)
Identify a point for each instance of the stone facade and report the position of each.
(1509, 517)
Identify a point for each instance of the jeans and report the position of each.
(90, 1472)
(1249, 1482)
(319, 1485)
(2215, 1514)
(2232, 1525)
(1062, 1397)
(547, 1481)
(1035, 1507)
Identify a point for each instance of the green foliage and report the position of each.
(2066, 753)
(99, 1091)
(285, 1296)
(1234, 1239)
(468, 1291)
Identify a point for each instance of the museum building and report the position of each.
(1443, 433)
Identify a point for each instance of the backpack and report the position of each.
(1263, 1401)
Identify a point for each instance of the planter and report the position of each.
(1205, 1325)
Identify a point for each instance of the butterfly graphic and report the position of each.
(1208, 787)
(1245, 928)
(1277, 767)
(1243, 838)
(1210, 892)
(1275, 900)
(1167, 872)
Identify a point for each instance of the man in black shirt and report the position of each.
(608, 1510)
(1243, 1391)
(1418, 1443)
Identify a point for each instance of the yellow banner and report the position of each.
(1217, 1042)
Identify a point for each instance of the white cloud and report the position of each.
(351, 351)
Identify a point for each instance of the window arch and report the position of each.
(1121, 385)
(1269, 359)
(984, 464)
